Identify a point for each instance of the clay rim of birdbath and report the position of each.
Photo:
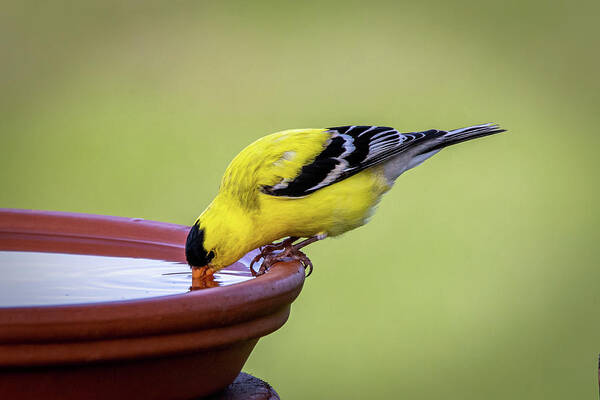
(157, 326)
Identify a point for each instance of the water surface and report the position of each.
(32, 278)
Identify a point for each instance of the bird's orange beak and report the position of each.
(200, 272)
(202, 277)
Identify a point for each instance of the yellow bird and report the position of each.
(307, 183)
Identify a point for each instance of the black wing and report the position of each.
(350, 150)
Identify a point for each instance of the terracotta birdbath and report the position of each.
(178, 346)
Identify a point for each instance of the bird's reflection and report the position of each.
(203, 282)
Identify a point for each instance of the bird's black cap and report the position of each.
(195, 253)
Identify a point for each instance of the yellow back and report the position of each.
(268, 160)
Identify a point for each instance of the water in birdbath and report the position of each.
(36, 279)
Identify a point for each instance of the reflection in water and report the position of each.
(203, 282)
(30, 278)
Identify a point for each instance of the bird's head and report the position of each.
(221, 235)
(196, 253)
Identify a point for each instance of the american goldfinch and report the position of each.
(307, 183)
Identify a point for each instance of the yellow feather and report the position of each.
(241, 217)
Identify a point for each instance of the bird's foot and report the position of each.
(268, 250)
(297, 255)
(270, 256)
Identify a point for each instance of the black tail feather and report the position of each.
(464, 134)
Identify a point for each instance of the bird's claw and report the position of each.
(264, 253)
(308, 265)
(270, 258)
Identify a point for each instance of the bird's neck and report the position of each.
(229, 231)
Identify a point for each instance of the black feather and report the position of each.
(195, 253)
(372, 145)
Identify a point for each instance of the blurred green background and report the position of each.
(477, 278)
